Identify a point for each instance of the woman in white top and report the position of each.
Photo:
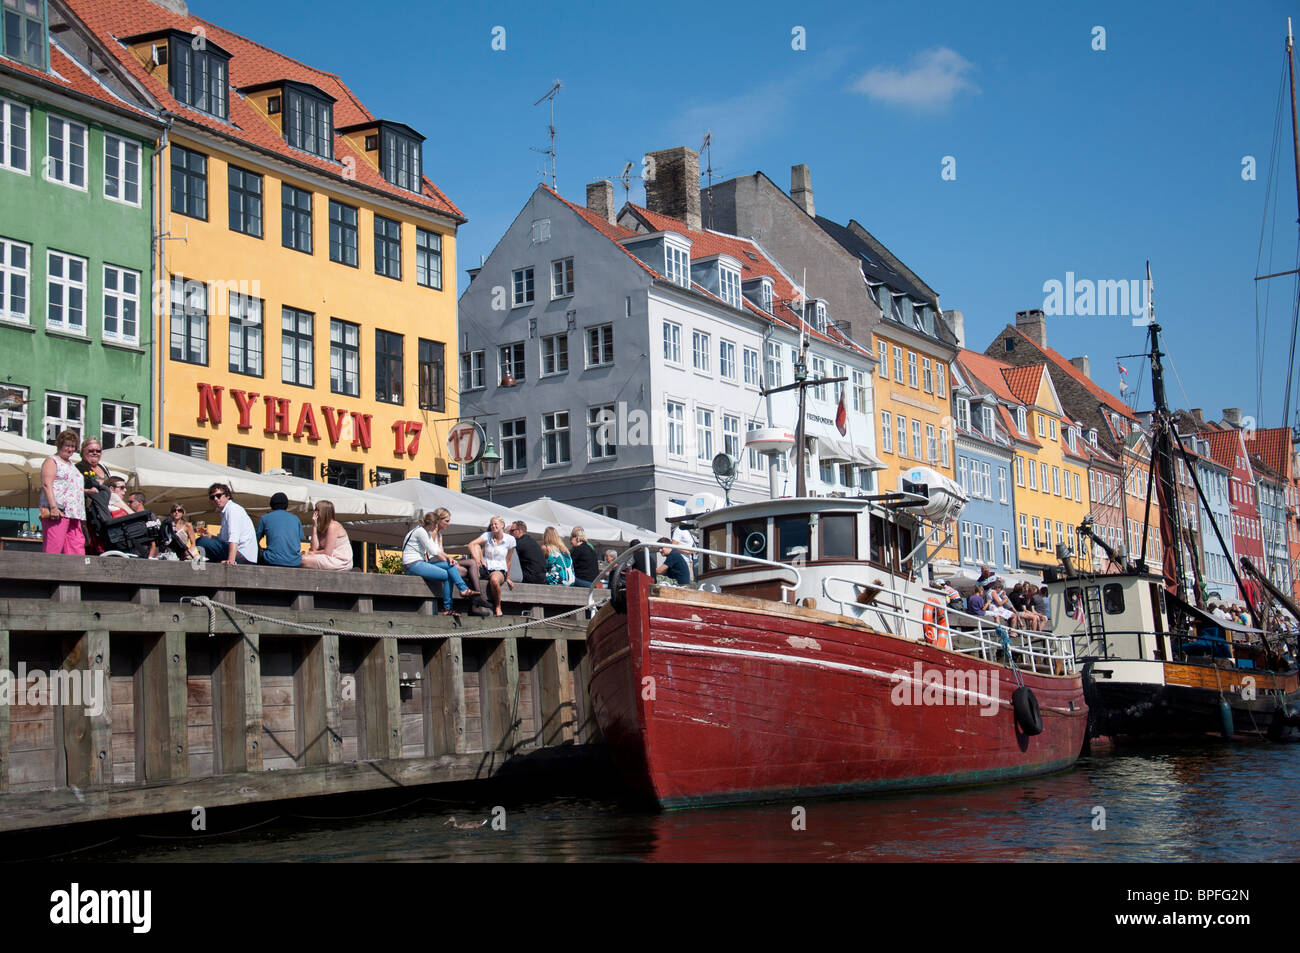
(422, 555)
(494, 551)
(63, 498)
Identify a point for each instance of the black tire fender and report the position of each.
(618, 591)
(1028, 718)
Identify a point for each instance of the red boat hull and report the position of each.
(707, 698)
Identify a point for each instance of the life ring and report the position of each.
(1025, 707)
(934, 618)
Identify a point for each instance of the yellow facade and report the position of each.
(1047, 509)
(912, 385)
(254, 420)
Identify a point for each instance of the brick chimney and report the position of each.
(175, 6)
(1033, 325)
(957, 324)
(675, 188)
(600, 199)
(801, 188)
(1197, 417)
(1083, 364)
(1232, 417)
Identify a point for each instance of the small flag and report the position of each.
(842, 416)
(1122, 368)
(1123, 387)
(1077, 615)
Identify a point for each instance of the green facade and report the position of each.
(69, 371)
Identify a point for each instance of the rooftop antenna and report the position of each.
(549, 151)
(707, 147)
(626, 179)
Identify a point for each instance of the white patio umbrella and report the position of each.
(469, 515)
(565, 516)
(21, 459)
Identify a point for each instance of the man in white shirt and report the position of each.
(237, 541)
(683, 536)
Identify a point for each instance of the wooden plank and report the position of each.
(237, 704)
(557, 715)
(5, 666)
(379, 695)
(177, 714)
(98, 655)
(445, 676)
(499, 694)
(319, 694)
(151, 713)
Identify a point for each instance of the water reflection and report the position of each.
(1215, 803)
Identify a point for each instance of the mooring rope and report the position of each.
(212, 605)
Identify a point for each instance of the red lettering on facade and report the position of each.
(399, 437)
(210, 404)
(245, 402)
(333, 425)
(361, 430)
(413, 429)
(277, 415)
(307, 423)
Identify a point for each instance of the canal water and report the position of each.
(1207, 803)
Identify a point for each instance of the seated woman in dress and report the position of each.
(184, 530)
(423, 556)
(330, 546)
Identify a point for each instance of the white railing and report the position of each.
(1042, 652)
(629, 554)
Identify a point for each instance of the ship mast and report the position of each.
(1166, 483)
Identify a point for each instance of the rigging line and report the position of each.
(1270, 198)
(1290, 359)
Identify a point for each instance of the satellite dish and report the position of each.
(724, 471)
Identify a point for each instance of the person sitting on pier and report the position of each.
(532, 560)
(136, 504)
(184, 530)
(330, 546)
(283, 533)
(1000, 605)
(237, 541)
(586, 566)
(674, 565)
(494, 551)
(423, 556)
(559, 564)
(1020, 604)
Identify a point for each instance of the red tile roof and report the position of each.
(615, 233)
(1057, 359)
(1223, 446)
(250, 64)
(1024, 381)
(991, 372)
(753, 264)
(1272, 445)
(66, 73)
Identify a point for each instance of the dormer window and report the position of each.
(24, 32)
(963, 413)
(882, 299)
(400, 157)
(1022, 421)
(765, 296)
(729, 285)
(309, 120)
(1092, 436)
(819, 317)
(986, 421)
(677, 264)
(199, 76)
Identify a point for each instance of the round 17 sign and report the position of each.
(465, 442)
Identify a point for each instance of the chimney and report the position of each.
(801, 188)
(1033, 325)
(1232, 417)
(600, 199)
(175, 6)
(1198, 417)
(957, 323)
(675, 188)
(1083, 364)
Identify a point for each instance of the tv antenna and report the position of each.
(626, 178)
(549, 151)
(707, 147)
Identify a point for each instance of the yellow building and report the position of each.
(305, 281)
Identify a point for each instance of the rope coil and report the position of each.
(212, 605)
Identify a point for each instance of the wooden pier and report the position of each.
(214, 709)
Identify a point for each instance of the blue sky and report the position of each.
(1068, 159)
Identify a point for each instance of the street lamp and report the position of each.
(491, 461)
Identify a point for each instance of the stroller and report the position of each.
(134, 534)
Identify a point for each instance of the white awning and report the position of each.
(830, 449)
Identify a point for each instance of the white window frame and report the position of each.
(18, 414)
(122, 298)
(1002, 484)
(731, 431)
(817, 370)
(602, 335)
(562, 281)
(931, 444)
(523, 287)
(859, 384)
(673, 343)
(986, 421)
(519, 433)
(1022, 421)
(898, 364)
(8, 272)
(677, 264)
(901, 423)
(700, 347)
(113, 434)
(963, 413)
(1033, 475)
(64, 155)
(1024, 530)
(8, 108)
(475, 369)
(927, 376)
(675, 427)
(1006, 549)
(555, 435)
(940, 385)
(604, 416)
(729, 286)
(704, 434)
(916, 440)
(1020, 470)
(882, 350)
(559, 354)
(726, 359)
(911, 369)
(54, 425)
(886, 434)
(750, 360)
(69, 287)
(118, 169)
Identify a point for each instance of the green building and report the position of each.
(77, 150)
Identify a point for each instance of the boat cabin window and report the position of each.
(1112, 598)
(792, 537)
(837, 536)
(715, 538)
(749, 537)
(905, 544)
(878, 551)
(1073, 597)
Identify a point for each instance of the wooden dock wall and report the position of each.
(260, 710)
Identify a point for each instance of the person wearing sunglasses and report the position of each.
(237, 541)
(96, 477)
(184, 530)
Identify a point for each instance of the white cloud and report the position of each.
(931, 81)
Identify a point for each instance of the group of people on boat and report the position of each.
(1023, 606)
